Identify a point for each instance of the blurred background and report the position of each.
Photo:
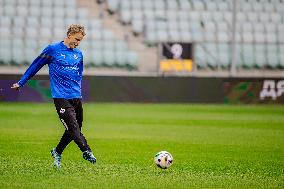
(219, 51)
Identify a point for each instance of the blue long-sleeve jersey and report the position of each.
(65, 70)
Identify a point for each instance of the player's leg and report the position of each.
(61, 105)
(66, 110)
(67, 115)
(66, 137)
(79, 115)
(64, 141)
(88, 155)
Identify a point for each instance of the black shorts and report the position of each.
(70, 111)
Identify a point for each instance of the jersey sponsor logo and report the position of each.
(75, 56)
(71, 67)
(62, 110)
(63, 55)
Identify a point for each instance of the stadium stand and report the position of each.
(27, 26)
(208, 24)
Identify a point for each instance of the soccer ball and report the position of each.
(163, 159)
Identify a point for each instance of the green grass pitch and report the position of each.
(214, 146)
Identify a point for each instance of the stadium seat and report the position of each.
(82, 13)
(247, 37)
(194, 16)
(224, 59)
(9, 10)
(148, 15)
(247, 27)
(34, 11)
(107, 34)
(132, 59)
(186, 36)
(280, 37)
(172, 5)
(275, 17)
(125, 17)
(272, 60)
(97, 58)
(260, 60)
(22, 11)
(113, 5)
(136, 5)
(218, 16)
(198, 5)
(58, 23)
(58, 34)
(62, 3)
(268, 7)
(121, 58)
(211, 5)
(228, 17)
(46, 12)
(159, 4)
(257, 7)
(17, 56)
(68, 4)
(35, 3)
(109, 58)
(162, 36)
(18, 32)
(31, 33)
(137, 26)
(245, 6)
(5, 55)
(108, 45)
(125, 5)
(95, 44)
(271, 38)
(223, 6)
(185, 5)
(136, 14)
(259, 37)
(5, 42)
(29, 55)
(5, 32)
(210, 36)
(88, 60)
(174, 35)
(223, 37)
(5, 21)
(71, 13)
(120, 45)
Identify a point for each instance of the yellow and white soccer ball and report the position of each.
(163, 159)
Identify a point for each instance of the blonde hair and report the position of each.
(76, 28)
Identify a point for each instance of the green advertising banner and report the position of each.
(255, 91)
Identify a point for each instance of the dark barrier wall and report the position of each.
(155, 89)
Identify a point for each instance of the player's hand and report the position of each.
(16, 86)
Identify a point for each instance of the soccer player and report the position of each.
(65, 64)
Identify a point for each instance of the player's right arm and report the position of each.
(44, 58)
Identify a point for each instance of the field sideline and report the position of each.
(214, 146)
